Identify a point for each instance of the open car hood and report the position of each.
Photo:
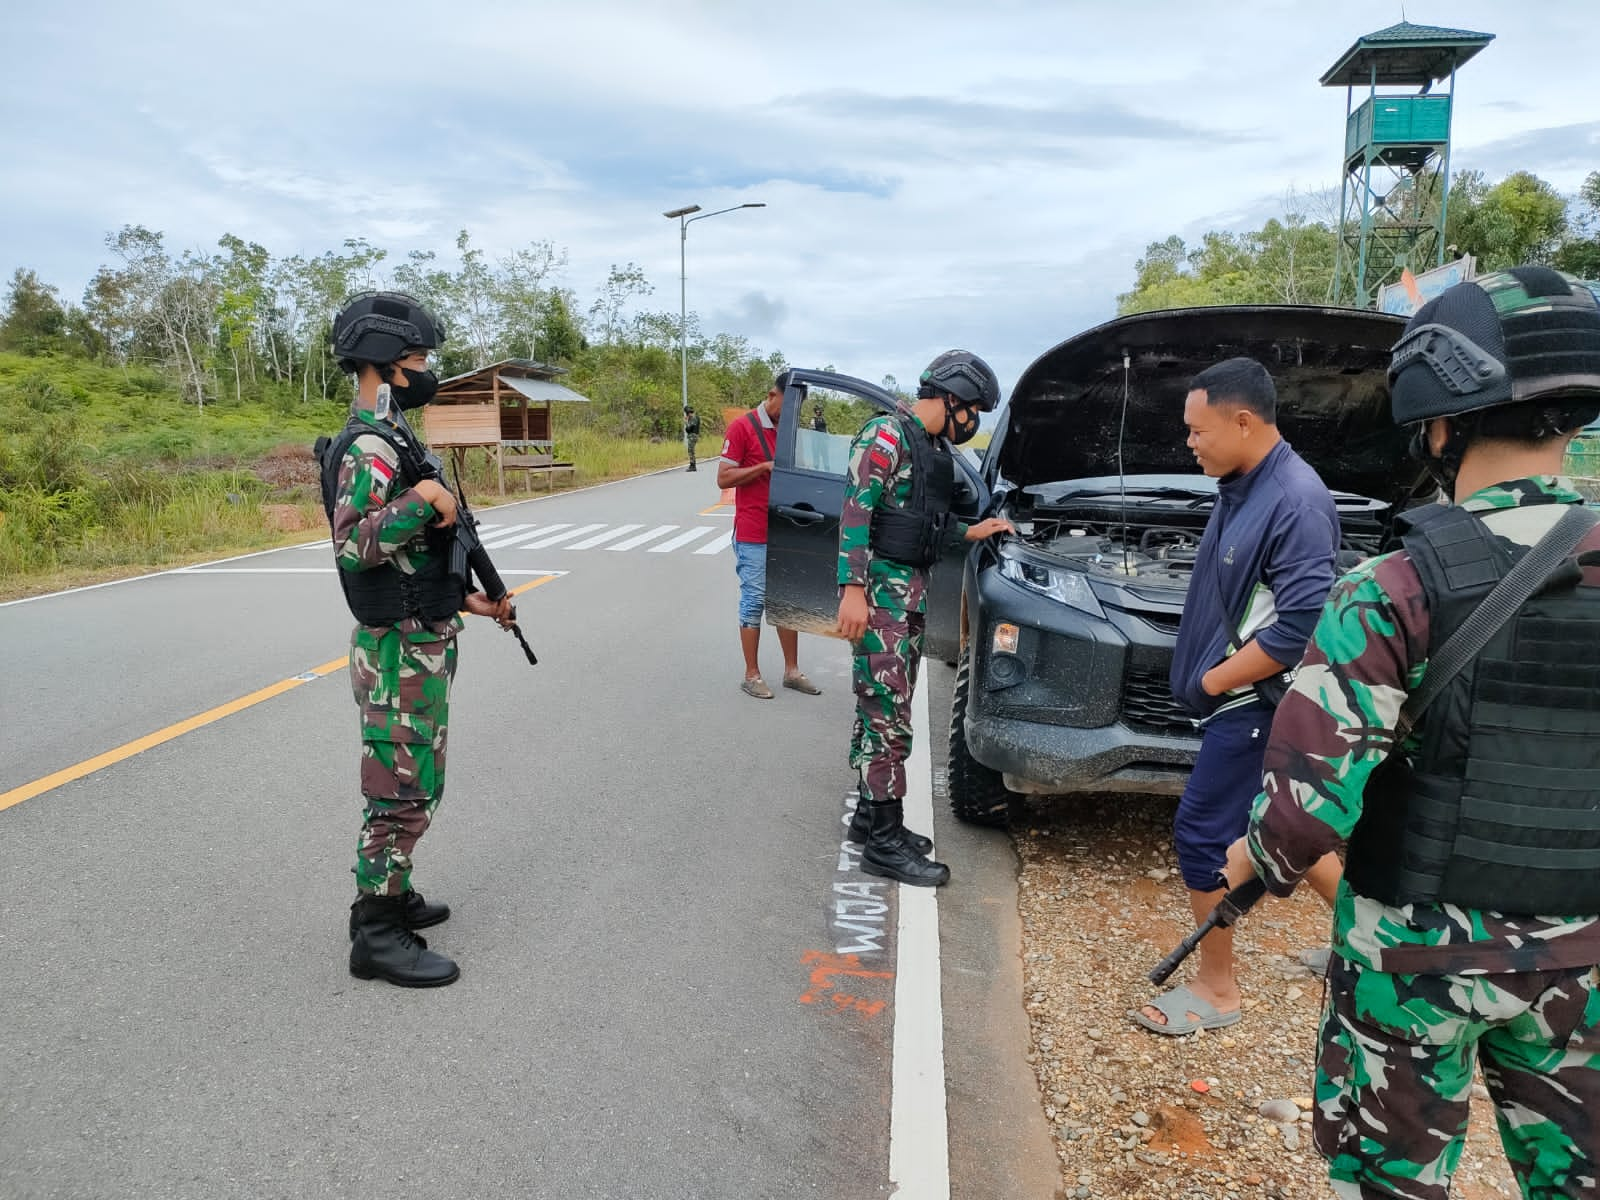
(1328, 364)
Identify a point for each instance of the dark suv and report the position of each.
(1062, 635)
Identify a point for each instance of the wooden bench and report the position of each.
(535, 461)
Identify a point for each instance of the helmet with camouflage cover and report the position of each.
(1529, 333)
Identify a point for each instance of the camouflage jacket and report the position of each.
(375, 522)
(879, 464)
(1336, 725)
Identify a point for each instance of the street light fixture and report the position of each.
(684, 221)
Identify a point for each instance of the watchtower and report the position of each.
(1395, 190)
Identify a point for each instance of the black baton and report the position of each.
(1229, 909)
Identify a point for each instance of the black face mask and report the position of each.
(417, 390)
(961, 432)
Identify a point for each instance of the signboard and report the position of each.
(1413, 291)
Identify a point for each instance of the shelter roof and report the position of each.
(1405, 54)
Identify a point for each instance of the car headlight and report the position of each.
(1069, 587)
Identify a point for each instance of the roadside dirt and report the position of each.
(1101, 902)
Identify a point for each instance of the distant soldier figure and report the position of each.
(1465, 776)
(895, 524)
(691, 432)
(391, 542)
(818, 421)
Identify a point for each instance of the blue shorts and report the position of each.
(1215, 809)
(750, 561)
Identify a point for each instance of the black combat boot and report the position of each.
(861, 826)
(385, 949)
(417, 912)
(887, 853)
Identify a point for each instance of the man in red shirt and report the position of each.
(746, 466)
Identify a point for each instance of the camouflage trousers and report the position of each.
(884, 674)
(1394, 1077)
(401, 682)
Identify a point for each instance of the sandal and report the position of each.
(756, 687)
(1176, 1006)
(800, 683)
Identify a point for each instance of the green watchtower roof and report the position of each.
(1405, 55)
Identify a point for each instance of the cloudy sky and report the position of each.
(935, 174)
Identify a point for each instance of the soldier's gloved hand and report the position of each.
(441, 499)
(853, 612)
(983, 529)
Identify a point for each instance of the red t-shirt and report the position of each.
(742, 448)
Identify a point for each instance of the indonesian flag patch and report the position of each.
(382, 476)
(884, 447)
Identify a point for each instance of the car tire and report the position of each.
(978, 794)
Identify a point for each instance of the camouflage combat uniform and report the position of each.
(1418, 992)
(691, 434)
(400, 674)
(886, 660)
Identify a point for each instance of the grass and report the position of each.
(106, 472)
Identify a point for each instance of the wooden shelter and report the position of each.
(504, 409)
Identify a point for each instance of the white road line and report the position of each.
(919, 1135)
(717, 544)
(562, 537)
(516, 538)
(601, 539)
(683, 539)
(642, 538)
(508, 531)
(307, 571)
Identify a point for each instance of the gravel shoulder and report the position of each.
(1137, 1115)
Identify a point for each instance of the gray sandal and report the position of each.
(1176, 1006)
(756, 687)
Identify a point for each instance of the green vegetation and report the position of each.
(169, 415)
(1290, 260)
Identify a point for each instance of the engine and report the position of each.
(1159, 554)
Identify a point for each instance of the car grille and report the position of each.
(1147, 702)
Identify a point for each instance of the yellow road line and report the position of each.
(712, 511)
(150, 740)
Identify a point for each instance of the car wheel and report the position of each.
(978, 795)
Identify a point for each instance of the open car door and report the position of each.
(808, 481)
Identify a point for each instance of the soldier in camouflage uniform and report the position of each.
(1467, 929)
(390, 540)
(892, 528)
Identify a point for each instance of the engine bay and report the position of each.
(1158, 554)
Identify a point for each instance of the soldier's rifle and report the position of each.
(468, 558)
(1230, 908)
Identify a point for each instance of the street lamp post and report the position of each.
(684, 221)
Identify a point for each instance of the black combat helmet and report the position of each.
(964, 375)
(379, 327)
(1529, 333)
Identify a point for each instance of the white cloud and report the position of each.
(936, 173)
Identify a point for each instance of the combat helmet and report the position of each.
(1528, 333)
(379, 327)
(964, 375)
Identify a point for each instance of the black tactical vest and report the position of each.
(915, 534)
(1500, 807)
(386, 595)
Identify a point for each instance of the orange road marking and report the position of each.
(712, 511)
(149, 741)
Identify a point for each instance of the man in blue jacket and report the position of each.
(1263, 570)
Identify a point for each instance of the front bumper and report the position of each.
(1083, 702)
(1049, 759)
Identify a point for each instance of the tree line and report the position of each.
(241, 325)
(1291, 259)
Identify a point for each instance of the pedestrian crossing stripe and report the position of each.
(564, 536)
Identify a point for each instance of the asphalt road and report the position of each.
(674, 984)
